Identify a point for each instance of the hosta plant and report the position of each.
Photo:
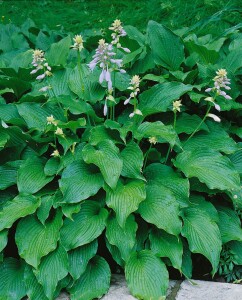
(119, 151)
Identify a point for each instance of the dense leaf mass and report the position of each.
(127, 158)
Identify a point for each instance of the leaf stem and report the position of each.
(146, 156)
(170, 148)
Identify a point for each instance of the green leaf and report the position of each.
(81, 84)
(166, 176)
(217, 139)
(19, 207)
(52, 166)
(40, 240)
(31, 177)
(101, 133)
(157, 129)
(123, 238)
(34, 289)
(87, 225)
(132, 161)
(125, 199)
(12, 279)
(3, 239)
(186, 261)
(205, 55)
(8, 174)
(57, 55)
(188, 123)
(3, 139)
(44, 210)
(94, 282)
(160, 201)
(106, 156)
(146, 276)
(79, 181)
(236, 159)
(166, 245)
(79, 258)
(167, 48)
(203, 234)
(229, 225)
(210, 167)
(52, 269)
(161, 96)
(236, 249)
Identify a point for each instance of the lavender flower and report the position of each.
(104, 57)
(40, 64)
(134, 87)
(118, 31)
(221, 81)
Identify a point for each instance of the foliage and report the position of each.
(118, 152)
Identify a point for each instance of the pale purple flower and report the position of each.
(216, 118)
(40, 77)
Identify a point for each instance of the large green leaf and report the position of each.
(236, 249)
(31, 176)
(40, 240)
(8, 174)
(106, 156)
(205, 55)
(3, 239)
(217, 139)
(210, 167)
(12, 279)
(229, 225)
(160, 204)
(132, 161)
(87, 225)
(202, 233)
(81, 84)
(52, 269)
(157, 129)
(188, 123)
(94, 282)
(125, 199)
(161, 96)
(19, 207)
(79, 258)
(57, 55)
(146, 276)
(167, 48)
(166, 245)
(236, 159)
(34, 289)
(166, 176)
(79, 181)
(123, 238)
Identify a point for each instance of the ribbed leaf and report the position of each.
(157, 129)
(94, 282)
(160, 204)
(167, 48)
(132, 161)
(236, 159)
(229, 225)
(205, 55)
(31, 177)
(8, 174)
(125, 199)
(236, 249)
(87, 225)
(12, 279)
(3, 239)
(166, 245)
(106, 156)
(79, 258)
(19, 207)
(217, 139)
(79, 181)
(202, 234)
(188, 123)
(34, 289)
(3, 139)
(40, 239)
(52, 269)
(210, 167)
(44, 210)
(52, 166)
(161, 96)
(146, 276)
(57, 55)
(166, 176)
(123, 238)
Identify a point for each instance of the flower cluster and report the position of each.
(118, 31)
(221, 81)
(39, 62)
(52, 121)
(177, 106)
(134, 87)
(78, 43)
(104, 57)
